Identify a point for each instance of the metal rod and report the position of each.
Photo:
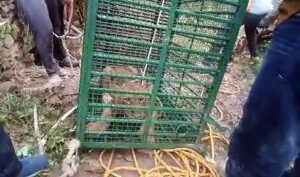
(153, 37)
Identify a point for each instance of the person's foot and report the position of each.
(54, 80)
(62, 72)
(255, 59)
(66, 62)
(33, 165)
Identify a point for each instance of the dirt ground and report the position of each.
(234, 90)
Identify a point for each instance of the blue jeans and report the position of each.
(9, 163)
(268, 136)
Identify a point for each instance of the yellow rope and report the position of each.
(211, 142)
(136, 163)
(228, 91)
(220, 112)
(189, 163)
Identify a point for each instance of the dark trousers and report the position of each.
(45, 17)
(268, 136)
(251, 23)
(9, 163)
(56, 14)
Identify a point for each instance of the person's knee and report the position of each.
(45, 37)
(44, 44)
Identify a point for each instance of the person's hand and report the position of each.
(269, 19)
(265, 22)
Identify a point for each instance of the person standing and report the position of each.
(256, 11)
(45, 17)
(267, 138)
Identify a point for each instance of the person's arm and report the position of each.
(9, 163)
(68, 13)
(269, 19)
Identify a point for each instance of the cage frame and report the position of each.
(89, 40)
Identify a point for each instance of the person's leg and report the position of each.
(45, 51)
(251, 24)
(11, 166)
(295, 171)
(56, 12)
(55, 8)
(9, 163)
(265, 142)
(37, 58)
(37, 16)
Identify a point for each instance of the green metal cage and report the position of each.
(152, 69)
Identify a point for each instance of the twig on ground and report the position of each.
(63, 118)
(45, 138)
(3, 23)
(37, 132)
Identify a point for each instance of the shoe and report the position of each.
(62, 72)
(54, 81)
(33, 165)
(255, 59)
(66, 62)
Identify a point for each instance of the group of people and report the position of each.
(267, 139)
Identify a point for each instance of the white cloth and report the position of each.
(260, 6)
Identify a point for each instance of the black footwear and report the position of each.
(66, 62)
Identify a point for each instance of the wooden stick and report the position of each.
(37, 131)
(63, 118)
(3, 23)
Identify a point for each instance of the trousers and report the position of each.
(9, 163)
(267, 138)
(45, 17)
(251, 23)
